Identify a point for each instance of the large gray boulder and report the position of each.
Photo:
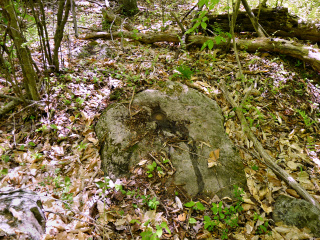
(21, 215)
(297, 212)
(181, 123)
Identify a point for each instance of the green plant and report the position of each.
(42, 128)
(61, 187)
(37, 155)
(311, 145)
(5, 158)
(151, 202)
(79, 100)
(305, 118)
(149, 233)
(195, 205)
(262, 228)
(255, 167)
(185, 72)
(4, 171)
(104, 185)
(82, 146)
(153, 167)
(225, 216)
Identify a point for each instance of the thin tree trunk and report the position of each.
(23, 52)
(253, 19)
(74, 16)
(233, 23)
(62, 18)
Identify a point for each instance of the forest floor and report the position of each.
(53, 149)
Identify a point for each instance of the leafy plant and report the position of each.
(149, 233)
(5, 158)
(4, 171)
(311, 143)
(152, 203)
(153, 167)
(305, 118)
(104, 185)
(226, 216)
(185, 72)
(263, 227)
(82, 145)
(195, 205)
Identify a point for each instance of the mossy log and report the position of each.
(307, 54)
(275, 21)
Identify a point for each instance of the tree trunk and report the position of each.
(130, 7)
(23, 52)
(253, 19)
(62, 18)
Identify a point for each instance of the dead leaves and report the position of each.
(213, 158)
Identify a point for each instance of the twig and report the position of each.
(178, 22)
(187, 14)
(131, 102)
(159, 163)
(268, 160)
(15, 98)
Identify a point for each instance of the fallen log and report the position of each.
(304, 53)
(275, 21)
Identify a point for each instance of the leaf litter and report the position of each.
(55, 151)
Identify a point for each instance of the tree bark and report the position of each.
(253, 19)
(130, 7)
(305, 53)
(62, 18)
(23, 52)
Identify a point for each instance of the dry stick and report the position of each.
(233, 22)
(178, 22)
(268, 160)
(234, 18)
(260, 31)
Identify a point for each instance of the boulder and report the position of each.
(183, 125)
(21, 215)
(297, 212)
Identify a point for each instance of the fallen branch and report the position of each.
(15, 102)
(305, 53)
(8, 107)
(268, 160)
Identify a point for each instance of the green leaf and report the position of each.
(192, 221)
(133, 221)
(189, 204)
(204, 45)
(214, 208)
(159, 232)
(67, 180)
(4, 171)
(165, 226)
(203, 25)
(199, 206)
(210, 44)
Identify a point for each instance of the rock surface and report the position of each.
(297, 212)
(178, 123)
(21, 215)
